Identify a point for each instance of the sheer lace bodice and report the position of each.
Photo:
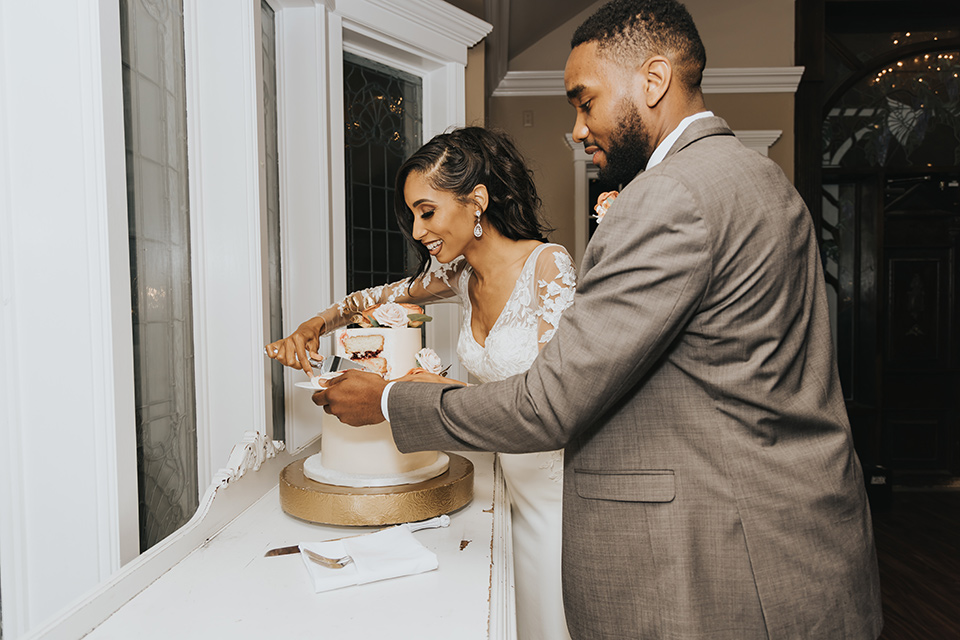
(529, 319)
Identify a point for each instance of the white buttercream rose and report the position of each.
(391, 315)
(429, 361)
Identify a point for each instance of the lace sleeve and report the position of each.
(435, 285)
(556, 283)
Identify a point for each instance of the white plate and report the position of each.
(310, 384)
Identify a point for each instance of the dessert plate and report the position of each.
(313, 386)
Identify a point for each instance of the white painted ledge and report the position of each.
(211, 580)
(729, 80)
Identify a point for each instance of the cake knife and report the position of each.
(330, 364)
(432, 523)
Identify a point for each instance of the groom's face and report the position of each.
(609, 121)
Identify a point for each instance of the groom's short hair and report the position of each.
(630, 31)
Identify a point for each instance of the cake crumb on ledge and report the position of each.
(464, 543)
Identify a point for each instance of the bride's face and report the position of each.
(443, 225)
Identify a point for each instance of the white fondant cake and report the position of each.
(367, 456)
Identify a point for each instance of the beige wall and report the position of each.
(745, 33)
(474, 79)
(546, 152)
(760, 111)
(736, 33)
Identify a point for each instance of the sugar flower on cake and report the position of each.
(391, 315)
(429, 361)
(395, 315)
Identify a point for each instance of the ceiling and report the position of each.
(529, 20)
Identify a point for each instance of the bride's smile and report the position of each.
(441, 223)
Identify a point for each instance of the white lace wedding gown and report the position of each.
(534, 481)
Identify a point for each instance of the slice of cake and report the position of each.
(366, 349)
(389, 352)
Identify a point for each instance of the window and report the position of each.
(160, 275)
(382, 124)
(268, 54)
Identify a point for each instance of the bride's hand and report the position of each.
(295, 350)
(421, 375)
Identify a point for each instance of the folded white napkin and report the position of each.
(389, 553)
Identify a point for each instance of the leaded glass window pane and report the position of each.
(903, 114)
(159, 225)
(382, 127)
(269, 45)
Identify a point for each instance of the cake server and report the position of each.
(329, 364)
(432, 523)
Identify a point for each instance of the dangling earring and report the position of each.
(478, 230)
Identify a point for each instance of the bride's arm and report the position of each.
(556, 282)
(435, 285)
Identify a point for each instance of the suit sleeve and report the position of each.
(648, 267)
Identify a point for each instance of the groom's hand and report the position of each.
(353, 396)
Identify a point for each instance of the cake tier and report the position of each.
(367, 456)
(367, 451)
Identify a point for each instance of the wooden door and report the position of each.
(920, 332)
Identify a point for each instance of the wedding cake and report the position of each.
(367, 456)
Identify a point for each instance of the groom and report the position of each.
(711, 489)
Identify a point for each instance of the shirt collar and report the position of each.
(661, 151)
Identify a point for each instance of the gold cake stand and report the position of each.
(314, 501)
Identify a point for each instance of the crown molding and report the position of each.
(759, 140)
(752, 80)
(727, 80)
(434, 15)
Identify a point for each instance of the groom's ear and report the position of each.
(657, 75)
(481, 197)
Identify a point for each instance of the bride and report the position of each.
(468, 204)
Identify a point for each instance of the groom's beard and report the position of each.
(628, 152)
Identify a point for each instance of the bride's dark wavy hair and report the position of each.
(460, 160)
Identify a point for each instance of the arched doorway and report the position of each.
(879, 120)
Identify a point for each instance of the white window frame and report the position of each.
(64, 266)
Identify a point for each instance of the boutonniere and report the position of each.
(603, 203)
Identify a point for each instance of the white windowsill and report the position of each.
(227, 588)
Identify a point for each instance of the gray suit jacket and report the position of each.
(711, 488)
